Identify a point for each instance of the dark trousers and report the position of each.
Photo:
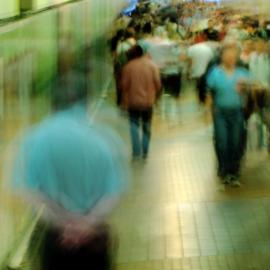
(94, 255)
(201, 88)
(140, 130)
(228, 138)
(172, 84)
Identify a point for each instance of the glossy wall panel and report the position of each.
(9, 8)
(29, 51)
(35, 5)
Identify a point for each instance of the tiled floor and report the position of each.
(178, 216)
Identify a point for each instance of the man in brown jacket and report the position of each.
(141, 88)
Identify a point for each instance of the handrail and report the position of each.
(24, 14)
(15, 261)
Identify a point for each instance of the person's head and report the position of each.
(69, 91)
(265, 24)
(66, 56)
(70, 86)
(66, 60)
(135, 52)
(248, 46)
(130, 33)
(147, 28)
(251, 26)
(260, 45)
(138, 28)
(132, 23)
(230, 54)
(211, 36)
(120, 34)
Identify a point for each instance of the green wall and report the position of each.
(39, 36)
(9, 8)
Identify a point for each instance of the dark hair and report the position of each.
(211, 35)
(69, 89)
(130, 33)
(70, 85)
(229, 45)
(253, 23)
(115, 39)
(132, 23)
(147, 28)
(138, 28)
(260, 36)
(135, 52)
(120, 34)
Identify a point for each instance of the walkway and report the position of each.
(177, 215)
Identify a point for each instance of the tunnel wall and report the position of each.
(29, 50)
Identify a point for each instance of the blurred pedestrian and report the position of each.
(171, 72)
(141, 88)
(199, 56)
(247, 49)
(126, 41)
(226, 82)
(77, 171)
(259, 66)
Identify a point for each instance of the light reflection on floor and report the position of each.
(178, 217)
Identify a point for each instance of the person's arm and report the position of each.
(209, 99)
(58, 217)
(99, 214)
(210, 79)
(125, 81)
(79, 229)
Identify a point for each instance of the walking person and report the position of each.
(171, 72)
(126, 41)
(141, 88)
(226, 83)
(259, 66)
(199, 56)
(78, 172)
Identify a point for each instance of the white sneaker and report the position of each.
(226, 180)
(236, 183)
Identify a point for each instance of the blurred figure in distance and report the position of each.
(226, 82)
(141, 87)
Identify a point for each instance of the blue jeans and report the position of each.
(228, 138)
(140, 129)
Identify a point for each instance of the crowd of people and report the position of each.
(223, 52)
